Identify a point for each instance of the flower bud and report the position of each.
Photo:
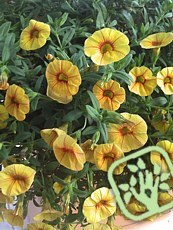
(3, 81)
(49, 57)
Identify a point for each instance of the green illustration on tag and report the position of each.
(144, 185)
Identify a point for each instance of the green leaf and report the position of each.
(17, 70)
(38, 83)
(81, 193)
(89, 130)
(63, 19)
(4, 152)
(83, 172)
(59, 180)
(132, 168)
(133, 181)
(102, 14)
(113, 23)
(127, 197)
(164, 186)
(34, 102)
(72, 116)
(103, 130)
(123, 76)
(51, 166)
(94, 100)
(8, 47)
(67, 37)
(93, 113)
(124, 187)
(141, 164)
(157, 169)
(164, 176)
(159, 101)
(123, 63)
(4, 29)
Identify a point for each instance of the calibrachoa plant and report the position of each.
(82, 84)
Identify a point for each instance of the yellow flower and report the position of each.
(69, 153)
(3, 117)
(35, 35)
(143, 81)
(16, 179)
(100, 205)
(161, 121)
(106, 46)
(3, 81)
(40, 226)
(136, 208)
(165, 80)
(48, 214)
(110, 95)
(63, 80)
(50, 135)
(17, 102)
(5, 199)
(156, 158)
(157, 40)
(88, 149)
(130, 135)
(106, 154)
(13, 218)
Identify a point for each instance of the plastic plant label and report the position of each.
(144, 185)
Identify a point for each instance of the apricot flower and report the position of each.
(106, 46)
(165, 80)
(157, 40)
(48, 214)
(100, 205)
(143, 81)
(69, 153)
(156, 158)
(130, 135)
(16, 102)
(110, 95)
(106, 154)
(50, 135)
(16, 179)
(40, 226)
(34, 36)
(3, 117)
(14, 217)
(63, 80)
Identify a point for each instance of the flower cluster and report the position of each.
(74, 100)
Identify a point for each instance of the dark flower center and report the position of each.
(102, 202)
(109, 157)
(168, 80)
(19, 178)
(140, 79)
(106, 47)
(126, 130)
(62, 77)
(156, 43)
(108, 93)
(14, 101)
(34, 33)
